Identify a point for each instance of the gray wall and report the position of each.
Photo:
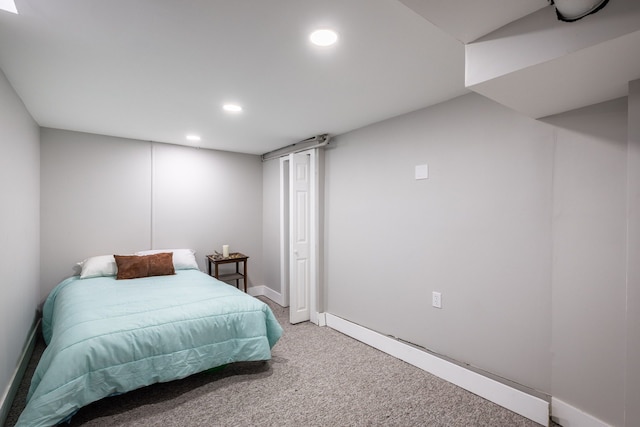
(633, 267)
(478, 231)
(589, 259)
(103, 195)
(521, 226)
(19, 228)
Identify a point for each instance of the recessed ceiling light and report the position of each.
(232, 108)
(193, 137)
(9, 6)
(323, 37)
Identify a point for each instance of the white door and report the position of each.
(300, 235)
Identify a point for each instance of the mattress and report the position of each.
(106, 336)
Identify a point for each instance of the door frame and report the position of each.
(284, 229)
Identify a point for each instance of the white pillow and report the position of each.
(103, 265)
(183, 259)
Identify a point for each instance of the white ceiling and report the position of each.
(468, 20)
(160, 69)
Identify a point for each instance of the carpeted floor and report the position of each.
(317, 377)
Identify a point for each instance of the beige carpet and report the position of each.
(317, 377)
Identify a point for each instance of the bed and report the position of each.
(107, 336)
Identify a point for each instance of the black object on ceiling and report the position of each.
(572, 10)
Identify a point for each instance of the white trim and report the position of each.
(313, 254)
(567, 415)
(528, 406)
(322, 319)
(266, 291)
(256, 291)
(284, 228)
(14, 382)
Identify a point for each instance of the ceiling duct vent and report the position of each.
(572, 10)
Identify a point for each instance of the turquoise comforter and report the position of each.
(108, 336)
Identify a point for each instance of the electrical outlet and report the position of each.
(436, 299)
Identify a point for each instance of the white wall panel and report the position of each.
(104, 195)
(203, 199)
(96, 199)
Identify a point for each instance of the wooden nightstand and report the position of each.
(235, 257)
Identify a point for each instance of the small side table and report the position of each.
(235, 257)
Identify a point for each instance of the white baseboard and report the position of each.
(570, 416)
(276, 297)
(322, 319)
(12, 388)
(265, 291)
(528, 406)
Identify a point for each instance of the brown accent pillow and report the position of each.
(161, 264)
(136, 266)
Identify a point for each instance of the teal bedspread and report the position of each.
(108, 336)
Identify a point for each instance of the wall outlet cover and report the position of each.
(436, 299)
